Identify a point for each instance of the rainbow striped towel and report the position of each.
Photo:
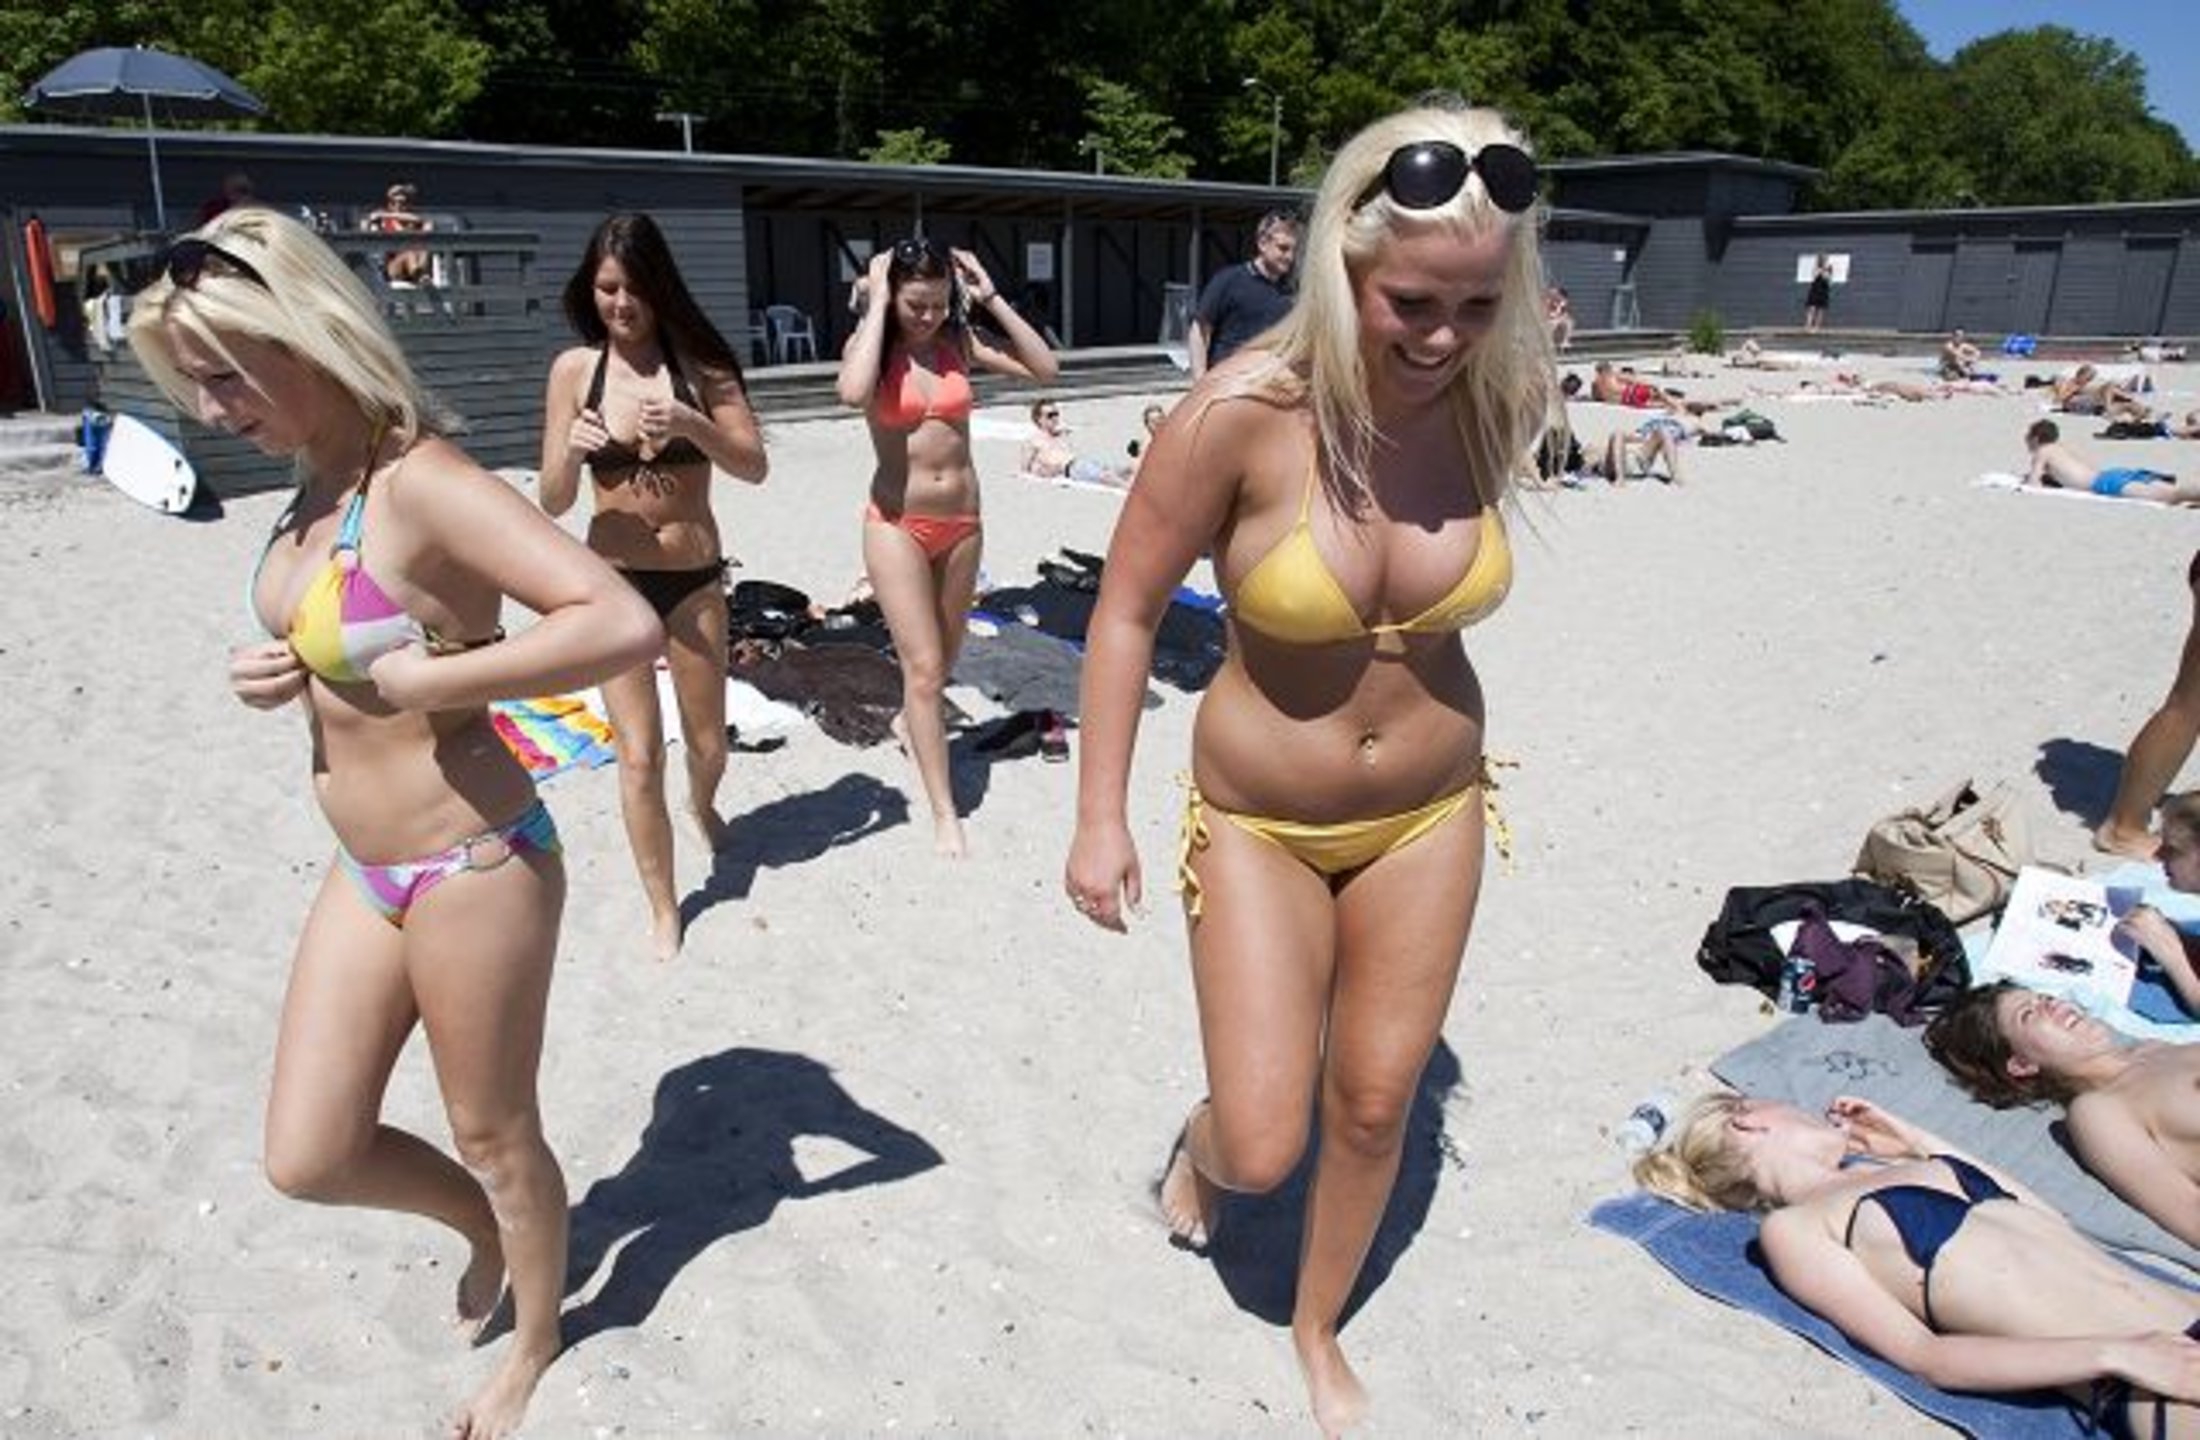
(553, 734)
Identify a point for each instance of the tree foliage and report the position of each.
(916, 146)
(1160, 87)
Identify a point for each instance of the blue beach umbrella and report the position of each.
(139, 83)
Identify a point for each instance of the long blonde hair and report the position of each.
(1699, 1165)
(312, 306)
(1505, 394)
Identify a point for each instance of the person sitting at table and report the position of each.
(397, 216)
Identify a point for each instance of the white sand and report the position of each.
(1708, 686)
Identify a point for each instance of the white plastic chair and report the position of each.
(790, 332)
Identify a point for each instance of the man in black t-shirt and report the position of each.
(1244, 300)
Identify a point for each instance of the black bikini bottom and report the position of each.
(666, 590)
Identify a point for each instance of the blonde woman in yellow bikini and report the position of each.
(377, 598)
(1346, 471)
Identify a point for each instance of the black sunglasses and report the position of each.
(186, 262)
(1428, 173)
(914, 251)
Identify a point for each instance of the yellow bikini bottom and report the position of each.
(1348, 844)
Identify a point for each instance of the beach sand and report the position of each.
(906, 1113)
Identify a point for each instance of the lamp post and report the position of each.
(1091, 145)
(685, 119)
(1275, 121)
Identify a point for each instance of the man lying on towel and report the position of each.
(2055, 467)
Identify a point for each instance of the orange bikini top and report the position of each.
(1292, 595)
(902, 402)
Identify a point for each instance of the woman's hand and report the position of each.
(2151, 929)
(587, 433)
(1102, 876)
(266, 676)
(1878, 1132)
(662, 417)
(874, 274)
(977, 285)
(2165, 1363)
(400, 676)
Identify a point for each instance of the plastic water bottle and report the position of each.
(1646, 1124)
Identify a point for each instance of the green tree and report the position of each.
(2047, 116)
(399, 67)
(1131, 137)
(916, 146)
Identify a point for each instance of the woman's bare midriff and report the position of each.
(934, 476)
(655, 518)
(2091, 1293)
(397, 785)
(1339, 732)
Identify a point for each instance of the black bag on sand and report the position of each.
(1738, 948)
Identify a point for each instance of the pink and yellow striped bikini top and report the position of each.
(347, 621)
(1291, 594)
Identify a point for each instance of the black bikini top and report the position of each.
(615, 455)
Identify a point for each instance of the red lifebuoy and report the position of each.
(38, 256)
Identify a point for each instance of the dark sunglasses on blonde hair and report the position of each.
(1428, 173)
(187, 261)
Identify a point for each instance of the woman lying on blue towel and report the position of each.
(1937, 1263)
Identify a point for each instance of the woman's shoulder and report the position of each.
(574, 360)
(434, 463)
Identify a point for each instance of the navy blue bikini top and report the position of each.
(1925, 1219)
(616, 455)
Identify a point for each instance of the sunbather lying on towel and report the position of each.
(2132, 1107)
(1048, 454)
(2084, 392)
(1937, 1263)
(1625, 387)
(1634, 456)
(2055, 467)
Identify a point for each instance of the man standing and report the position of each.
(1244, 300)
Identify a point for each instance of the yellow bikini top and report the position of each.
(1291, 595)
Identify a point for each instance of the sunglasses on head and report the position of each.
(187, 260)
(1428, 173)
(914, 251)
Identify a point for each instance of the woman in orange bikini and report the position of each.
(651, 403)
(1346, 475)
(379, 594)
(907, 367)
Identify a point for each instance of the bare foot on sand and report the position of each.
(666, 932)
(2137, 845)
(482, 1285)
(1189, 1200)
(898, 727)
(496, 1408)
(947, 837)
(1333, 1392)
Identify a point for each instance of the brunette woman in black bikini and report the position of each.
(908, 367)
(651, 404)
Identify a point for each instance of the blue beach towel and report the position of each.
(1716, 1255)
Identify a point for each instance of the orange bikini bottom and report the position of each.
(934, 534)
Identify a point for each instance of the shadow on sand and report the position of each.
(795, 828)
(1256, 1249)
(717, 1158)
(2080, 776)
